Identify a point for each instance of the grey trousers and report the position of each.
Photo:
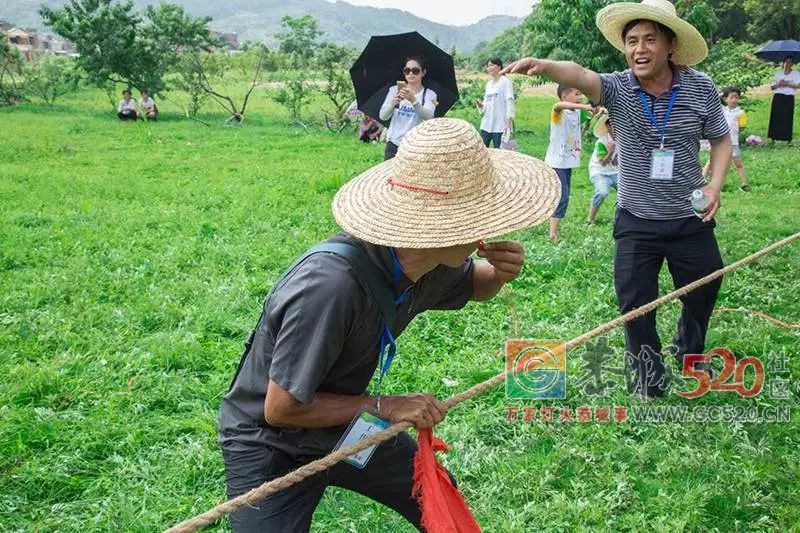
(387, 478)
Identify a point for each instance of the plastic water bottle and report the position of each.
(699, 202)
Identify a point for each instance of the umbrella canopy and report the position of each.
(779, 50)
(381, 64)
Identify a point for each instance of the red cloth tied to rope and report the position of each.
(443, 507)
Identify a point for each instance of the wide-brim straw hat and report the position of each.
(601, 126)
(445, 188)
(690, 45)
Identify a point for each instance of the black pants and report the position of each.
(691, 251)
(387, 478)
(390, 151)
(128, 114)
(491, 137)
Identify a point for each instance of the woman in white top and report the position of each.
(784, 87)
(126, 110)
(497, 106)
(148, 106)
(407, 104)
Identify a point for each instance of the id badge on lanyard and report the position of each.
(661, 165)
(362, 426)
(662, 161)
(367, 423)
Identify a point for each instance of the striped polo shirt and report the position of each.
(696, 115)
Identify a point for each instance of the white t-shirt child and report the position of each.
(736, 119)
(498, 105)
(407, 115)
(601, 151)
(564, 150)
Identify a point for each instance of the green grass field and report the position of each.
(134, 259)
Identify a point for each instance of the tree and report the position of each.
(732, 20)
(772, 19)
(117, 44)
(334, 62)
(567, 30)
(207, 70)
(732, 63)
(51, 77)
(299, 38)
(188, 80)
(701, 15)
(11, 72)
(294, 95)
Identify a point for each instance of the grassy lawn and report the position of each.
(134, 259)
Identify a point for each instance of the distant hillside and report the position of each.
(341, 22)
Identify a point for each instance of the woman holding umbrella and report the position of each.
(784, 87)
(407, 104)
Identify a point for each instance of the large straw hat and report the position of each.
(601, 126)
(690, 48)
(446, 188)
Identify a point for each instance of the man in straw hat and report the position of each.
(416, 219)
(661, 109)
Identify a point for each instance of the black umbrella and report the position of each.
(381, 64)
(779, 50)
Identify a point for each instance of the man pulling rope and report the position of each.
(320, 465)
(412, 223)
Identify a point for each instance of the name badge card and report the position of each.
(362, 426)
(661, 166)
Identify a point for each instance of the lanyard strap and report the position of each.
(397, 277)
(387, 340)
(662, 130)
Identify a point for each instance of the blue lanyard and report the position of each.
(663, 129)
(387, 340)
(397, 277)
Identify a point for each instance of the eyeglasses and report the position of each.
(413, 70)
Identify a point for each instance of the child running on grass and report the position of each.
(564, 151)
(603, 170)
(737, 120)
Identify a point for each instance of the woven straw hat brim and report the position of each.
(601, 126)
(524, 193)
(691, 47)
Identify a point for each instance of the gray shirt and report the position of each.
(696, 115)
(321, 332)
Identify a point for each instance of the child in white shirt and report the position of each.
(737, 120)
(564, 151)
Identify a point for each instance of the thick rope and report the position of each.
(320, 465)
(765, 316)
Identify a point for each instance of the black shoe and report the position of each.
(744, 188)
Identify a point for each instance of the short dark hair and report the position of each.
(496, 61)
(423, 64)
(561, 89)
(126, 91)
(663, 29)
(727, 91)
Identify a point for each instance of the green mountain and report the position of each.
(342, 22)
